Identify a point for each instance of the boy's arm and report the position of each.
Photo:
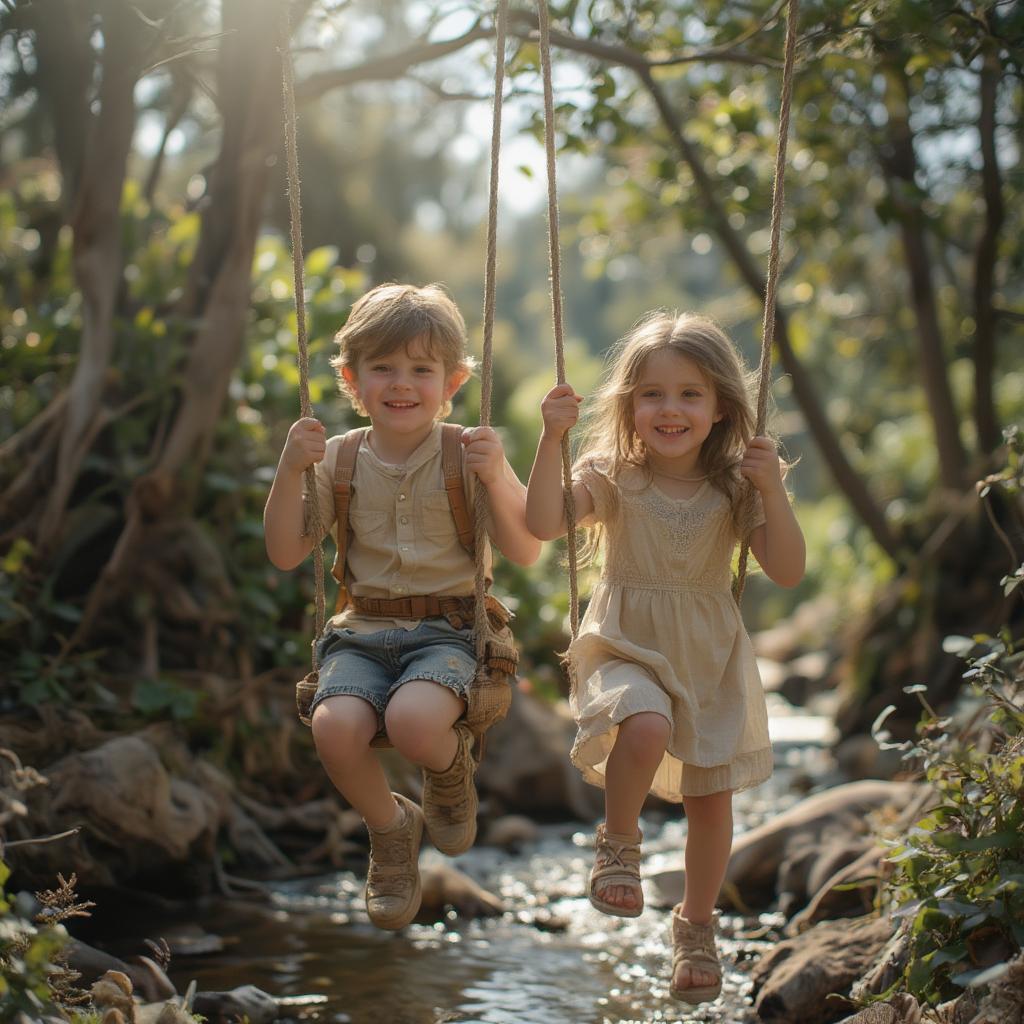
(545, 507)
(485, 457)
(283, 514)
(778, 543)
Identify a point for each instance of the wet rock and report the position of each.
(113, 993)
(246, 1002)
(888, 967)
(808, 866)
(191, 940)
(163, 1013)
(860, 757)
(805, 676)
(135, 817)
(752, 875)
(445, 886)
(526, 766)
(797, 982)
(901, 1009)
(835, 898)
(511, 832)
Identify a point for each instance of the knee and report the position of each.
(413, 736)
(645, 734)
(339, 736)
(713, 810)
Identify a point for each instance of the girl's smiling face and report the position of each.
(674, 409)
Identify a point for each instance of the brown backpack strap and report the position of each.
(451, 467)
(344, 469)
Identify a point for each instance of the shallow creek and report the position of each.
(314, 948)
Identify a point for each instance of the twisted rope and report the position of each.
(481, 625)
(312, 520)
(771, 285)
(555, 259)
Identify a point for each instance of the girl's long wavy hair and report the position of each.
(609, 437)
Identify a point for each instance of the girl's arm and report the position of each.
(778, 543)
(282, 517)
(485, 456)
(545, 509)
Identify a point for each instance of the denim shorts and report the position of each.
(374, 665)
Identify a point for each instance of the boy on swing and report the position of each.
(399, 657)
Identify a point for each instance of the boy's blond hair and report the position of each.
(392, 316)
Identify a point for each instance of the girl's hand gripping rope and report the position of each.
(762, 467)
(560, 410)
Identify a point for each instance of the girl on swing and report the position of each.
(399, 658)
(666, 692)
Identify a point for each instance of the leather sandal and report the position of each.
(693, 946)
(616, 862)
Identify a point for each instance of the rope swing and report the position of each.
(312, 519)
(771, 284)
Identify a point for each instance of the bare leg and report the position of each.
(419, 720)
(708, 844)
(343, 727)
(639, 747)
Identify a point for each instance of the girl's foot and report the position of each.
(615, 879)
(696, 969)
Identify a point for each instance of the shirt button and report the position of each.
(401, 497)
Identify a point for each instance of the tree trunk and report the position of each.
(217, 294)
(64, 77)
(96, 250)
(989, 436)
(899, 163)
(850, 483)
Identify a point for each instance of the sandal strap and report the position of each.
(617, 851)
(693, 945)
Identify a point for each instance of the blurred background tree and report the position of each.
(148, 352)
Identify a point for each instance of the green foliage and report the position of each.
(28, 960)
(959, 872)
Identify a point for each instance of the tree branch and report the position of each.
(522, 25)
(804, 390)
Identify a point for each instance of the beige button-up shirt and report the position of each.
(402, 540)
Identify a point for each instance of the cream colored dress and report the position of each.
(662, 633)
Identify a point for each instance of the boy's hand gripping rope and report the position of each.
(772, 281)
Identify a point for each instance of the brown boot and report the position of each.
(393, 880)
(449, 798)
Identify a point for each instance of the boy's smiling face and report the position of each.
(403, 391)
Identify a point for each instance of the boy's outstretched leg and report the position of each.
(343, 727)
(422, 722)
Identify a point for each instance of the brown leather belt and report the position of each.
(426, 606)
